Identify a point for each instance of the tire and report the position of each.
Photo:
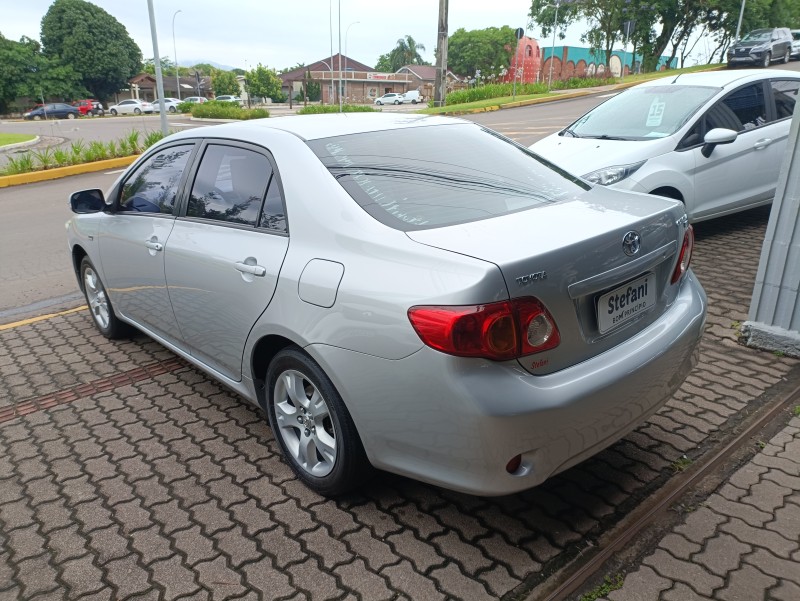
(379, 103)
(767, 59)
(172, 109)
(786, 57)
(413, 102)
(70, 115)
(312, 425)
(37, 118)
(114, 112)
(397, 102)
(137, 111)
(99, 304)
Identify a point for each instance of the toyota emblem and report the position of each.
(631, 243)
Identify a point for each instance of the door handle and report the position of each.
(762, 143)
(153, 245)
(256, 270)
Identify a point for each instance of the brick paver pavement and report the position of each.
(742, 543)
(125, 473)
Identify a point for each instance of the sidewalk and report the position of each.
(742, 543)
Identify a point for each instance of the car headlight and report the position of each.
(611, 175)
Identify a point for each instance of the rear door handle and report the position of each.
(153, 245)
(762, 143)
(256, 270)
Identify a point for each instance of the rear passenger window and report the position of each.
(230, 185)
(273, 216)
(153, 186)
(785, 93)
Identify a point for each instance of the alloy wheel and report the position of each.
(96, 295)
(305, 424)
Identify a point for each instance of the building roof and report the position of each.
(424, 72)
(327, 64)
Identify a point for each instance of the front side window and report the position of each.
(642, 113)
(425, 177)
(742, 110)
(785, 92)
(230, 185)
(153, 187)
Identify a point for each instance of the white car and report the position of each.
(131, 107)
(390, 98)
(412, 96)
(228, 98)
(714, 141)
(171, 104)
(796, 43)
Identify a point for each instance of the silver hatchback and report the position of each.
(415, 294)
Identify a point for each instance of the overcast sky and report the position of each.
(282, 33)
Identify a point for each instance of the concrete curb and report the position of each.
(59, 172)
(20, 144)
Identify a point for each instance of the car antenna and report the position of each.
(676, 77)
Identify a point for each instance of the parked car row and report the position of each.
(762, 46)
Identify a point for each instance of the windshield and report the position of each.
(425, 177)
(642, 113)
(796, 35)
(760, 35)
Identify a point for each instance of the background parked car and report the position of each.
(54, 110)
(171, 105)
(228, 98)
(131, 107)
(390, 98)
(761, 46)
(89, 106)
(712, 140)
(413, 96)
(195, 99)
(796, 43)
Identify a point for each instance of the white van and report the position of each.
(413, 96)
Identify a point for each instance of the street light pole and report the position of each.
(739, 25)
(347, 31)
(339, 91)
(553, 47)
(157, 61)
(175, 52)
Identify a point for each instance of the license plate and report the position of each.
(626, 303)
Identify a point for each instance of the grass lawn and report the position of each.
(6, 139)
(499, 102)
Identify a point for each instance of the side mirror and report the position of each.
(87, 201)
(716, 136)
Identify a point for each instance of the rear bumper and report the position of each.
(457, 422)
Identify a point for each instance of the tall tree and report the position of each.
(482, 50)
(224, 82)
(406, 52)
(94, 43)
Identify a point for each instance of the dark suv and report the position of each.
(762, 46)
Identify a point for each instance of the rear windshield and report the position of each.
(426, 177)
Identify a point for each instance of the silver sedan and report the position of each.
(414, 294)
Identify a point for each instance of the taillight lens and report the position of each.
(497, 331)
(685, 257)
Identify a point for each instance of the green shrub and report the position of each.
(21, 164)
(185, 107)
(494, 90)
(574, 83)
(317, 109)
(226, 110)
(44, 158)
(61, 157)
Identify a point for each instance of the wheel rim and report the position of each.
(70, 115)
(96, 296)
(766, 59)
(137, 111)
(304, 423)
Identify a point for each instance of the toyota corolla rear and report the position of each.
(595, 327)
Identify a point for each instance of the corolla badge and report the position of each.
(631, 243)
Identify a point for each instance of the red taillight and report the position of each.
(685, 257)
(497, 331)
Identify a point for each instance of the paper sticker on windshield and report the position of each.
(656, 113)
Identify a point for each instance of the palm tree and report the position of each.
(407, 52)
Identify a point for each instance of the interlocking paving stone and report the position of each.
(130, 473)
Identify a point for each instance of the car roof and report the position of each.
(314, 127)
(721, 79)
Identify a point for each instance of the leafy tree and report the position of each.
(205, 69)
(167, 66)
(93, 43)
(481, 50)
(264, 83)
(224, 82)
(238, 71)
(406, 52)
(26, 72)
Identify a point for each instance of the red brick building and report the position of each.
(526, 62)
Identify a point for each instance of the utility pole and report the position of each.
(440, 91)
(159, 77)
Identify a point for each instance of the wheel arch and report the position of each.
(78, 253)
(263, 352)
(669, 192)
